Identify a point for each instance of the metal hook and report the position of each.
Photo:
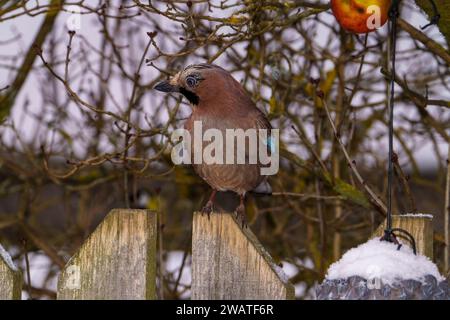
(390, 236)
(436, 16)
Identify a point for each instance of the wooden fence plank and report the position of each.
(228, 262)
(10, 278)
(118, 261)
(421, 228)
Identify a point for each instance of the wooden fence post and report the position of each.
(228, 262)
(10, 278)
(118, 261)
(419, 225)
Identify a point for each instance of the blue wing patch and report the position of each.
(270, 143)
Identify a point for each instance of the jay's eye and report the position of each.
(191, 81)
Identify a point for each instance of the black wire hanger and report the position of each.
(389, 232)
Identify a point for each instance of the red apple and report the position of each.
(361, 16)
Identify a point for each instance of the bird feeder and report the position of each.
(379, 270)
(385, 268)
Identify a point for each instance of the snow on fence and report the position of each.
(10, 278)
(118, 261)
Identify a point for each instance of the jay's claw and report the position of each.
(207, 209)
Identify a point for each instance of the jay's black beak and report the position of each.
(165, 86)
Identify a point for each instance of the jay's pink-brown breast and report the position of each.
(239, 178)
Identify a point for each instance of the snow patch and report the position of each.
(280, 273)
(7, 259)
(381, 259)
(289, 269)
(173, 263)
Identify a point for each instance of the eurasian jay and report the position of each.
(220, 102)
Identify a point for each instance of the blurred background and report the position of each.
(82, 131)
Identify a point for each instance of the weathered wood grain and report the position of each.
(420, 227)
(228, 262)
(10, 278)
(118, 261)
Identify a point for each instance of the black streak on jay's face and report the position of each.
(191, 96)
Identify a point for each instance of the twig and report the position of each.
(27, 267)
(351, 163)
(51, 253)
(305, 196)
(74, 95)
(69, 48)
(432, 45)
(415, 97)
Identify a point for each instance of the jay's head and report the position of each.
(200, 83)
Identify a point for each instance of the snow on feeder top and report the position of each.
(379, 270)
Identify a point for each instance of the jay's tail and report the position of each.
(263, 188)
